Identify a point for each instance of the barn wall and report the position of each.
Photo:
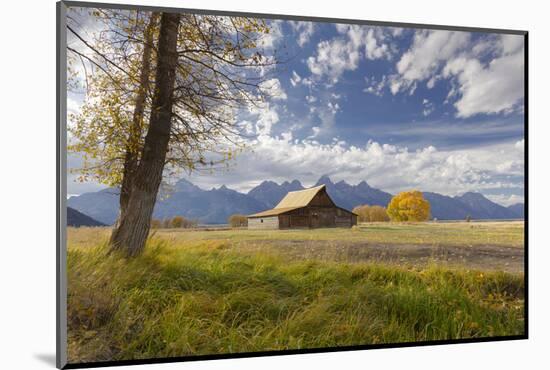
(331, 217)
(322, 216)
(308, 217)
(265, 223)
(345, 218)
(321, 199)
(284, 221)
(298, 219)
(344, 221)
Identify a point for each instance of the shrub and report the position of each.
(368, 213)
(238, 220)
(378, 214)
(177, 222)
(156, 223)
(362, 214)
(181, 222)
(189, 224)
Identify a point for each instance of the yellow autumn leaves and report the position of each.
(409, 206)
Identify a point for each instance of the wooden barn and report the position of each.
(309, 208)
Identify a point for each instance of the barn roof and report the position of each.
(273, 212)
(294, 200)
(299, 198)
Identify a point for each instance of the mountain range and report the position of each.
(75, 218)
(214, 206)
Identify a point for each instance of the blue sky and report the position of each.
(400, 108)
(364, 106)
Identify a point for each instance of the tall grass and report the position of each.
(208, 298)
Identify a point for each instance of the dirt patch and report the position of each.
(478, 257)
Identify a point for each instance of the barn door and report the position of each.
(315, 220)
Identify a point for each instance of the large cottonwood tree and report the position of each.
(133, 226)
(161, 96)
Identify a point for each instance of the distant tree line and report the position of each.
(237, 220)
(368, 213)
(176, 222)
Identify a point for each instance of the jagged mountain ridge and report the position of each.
(214, 206)
(188, 200)
(270, 193)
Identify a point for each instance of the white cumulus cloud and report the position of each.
(304, 30)
(479, 86)
(495, 88)
(273, 89)
(343, 53)
(388, 167)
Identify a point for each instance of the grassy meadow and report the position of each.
(229, 291)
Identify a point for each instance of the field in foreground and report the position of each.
(495, 246)
(204, 292)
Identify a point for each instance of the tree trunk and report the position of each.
(131, 234)
(136, 129)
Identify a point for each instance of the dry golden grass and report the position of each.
(510, 234)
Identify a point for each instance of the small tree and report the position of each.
(238, 220)
(156, 223)
(468, 218)
(189, 224)
(177, 222)
(166, 223)
(409, 206)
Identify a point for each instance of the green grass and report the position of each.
(191, 297)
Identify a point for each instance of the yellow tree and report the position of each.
(409, 206)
